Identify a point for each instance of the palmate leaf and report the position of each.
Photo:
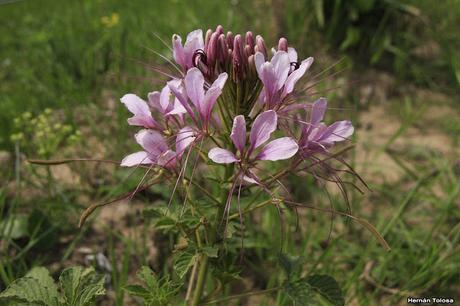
(36, 288)
(156, 291)
(303, 290)
(183, 261)
(81, 286)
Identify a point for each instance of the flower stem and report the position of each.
(202, 272)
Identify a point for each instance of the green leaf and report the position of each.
(210, 251)
(157, 291)
(303, 290)
(36, 288)
(14, 226)
(300, 293)
(137, 290)
(183, 262)
(81, 286)
(328, 287)
(291, 264)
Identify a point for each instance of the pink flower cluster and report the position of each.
(231, 98)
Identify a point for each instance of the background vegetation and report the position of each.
(392, 66)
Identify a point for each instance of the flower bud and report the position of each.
(250, 40)
(230, 39)
(283, 44)
(222, 53)
(219, 30)
(211, 51)
(207, 38)
(260, 45)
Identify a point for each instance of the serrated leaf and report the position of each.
(290, 264)
(210, 251)
(137, 290)
(183, 262)
(148, 277)
(36, 288)
(303, 290)
(81, 286)
(300, 293)
(328, 287)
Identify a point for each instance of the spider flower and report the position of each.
(316, 136)
(262, 128)
(194, 97)
(278, 76)
(141, 111)
(184, 54)
(156, 151)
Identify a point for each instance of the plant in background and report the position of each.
(224, 132)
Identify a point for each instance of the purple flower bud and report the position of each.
(230, 39)
(222, 53)
(207, 38)
(219, 30)
(211, 51)
(247, 52)
(250, 39)
(260, 45)
(283, 44)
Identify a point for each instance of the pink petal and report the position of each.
(184, 138)
(220, 81)
(292, 55)
(194, 86)
(338, 131)
(317, 111)
(154, 100)
(152, 142)
(296, 75)
(263, 126)
(135, 105)
(221, 156)
(136, 159)
(238, 134)
(178, 91)
(259, 60)
(210, 100)
(178, 51)
(281, 64)
(278, 149)
(193, 42)
(268, 77)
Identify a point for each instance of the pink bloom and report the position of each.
(183, 55)
(278, 76)
(264, 125)
(317, 136)
(140, 109)
(156, 151)
(165, 102)
(193, 95)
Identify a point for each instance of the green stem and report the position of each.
(203, 261)
(237, 296)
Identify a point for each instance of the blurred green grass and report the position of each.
(67, 56)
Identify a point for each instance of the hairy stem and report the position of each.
(213, 237)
